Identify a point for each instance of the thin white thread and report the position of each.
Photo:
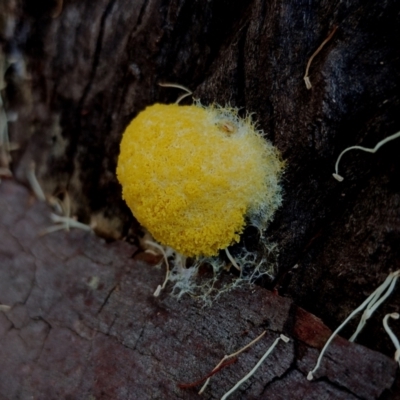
(175, 85)
(161, 249)
(375, 302)
(310, 60)
(267, 353)
(372, 299)
(368, 150)
(392, 335)
(232, 260)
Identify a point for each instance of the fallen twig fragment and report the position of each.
(374, 150)
(392, 335)
(213, 372)
(267, 353)
(232, 356)
(373, 301)
(58, 9)
(306, 77)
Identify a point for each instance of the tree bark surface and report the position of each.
(83, 323)
(75, 74)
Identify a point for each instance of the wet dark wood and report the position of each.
(81, 71)
(83, 323)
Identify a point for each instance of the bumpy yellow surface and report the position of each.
(190, 174)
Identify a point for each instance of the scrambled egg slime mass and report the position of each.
(193, 176)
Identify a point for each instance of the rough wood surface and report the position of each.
(83, 324)
(80, 71)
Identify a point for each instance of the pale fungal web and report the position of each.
(176, 86)
(374, 150)
(267, 353)
(161, 250)
(392, 335)
(232, 356)
(370, 305)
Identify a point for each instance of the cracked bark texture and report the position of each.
(83, 323)
(81, 71)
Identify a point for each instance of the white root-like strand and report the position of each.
(176, 86)
(378, 298)
(392, 335)
(371, 304)
(232, 260)
(164, 254)
(33, 182)
(368, 150)
(310, 60)
(64, 223)
(267, 353)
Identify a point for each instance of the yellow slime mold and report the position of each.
(193, 176)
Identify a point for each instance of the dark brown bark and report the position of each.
(81, 71)
(83, 324)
